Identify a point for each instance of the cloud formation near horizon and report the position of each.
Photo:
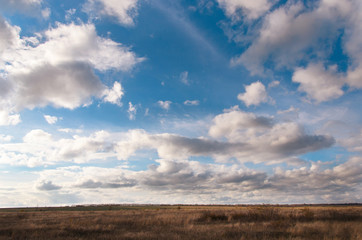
(218, 101)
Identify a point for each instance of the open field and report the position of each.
(183, 222)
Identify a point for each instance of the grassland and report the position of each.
(183, 222)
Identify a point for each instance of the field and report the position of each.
(183, 222)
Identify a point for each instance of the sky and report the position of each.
(180, 102)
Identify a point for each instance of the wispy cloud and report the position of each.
(50, 119)
(165, 104)
(192, 102)
(124, 11)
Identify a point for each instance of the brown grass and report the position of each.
(184, 222)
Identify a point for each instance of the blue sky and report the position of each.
(160, 101)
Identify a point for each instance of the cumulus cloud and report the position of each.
(175, 175)
(192, 102)
(171, 146)
(340, 179)
(71, 85)
(249, 9)
(239, 135)
(94, 184)
(294, 34)
(353, 45)
(264, 138)
(9, 35)
(289, 31)
(255, 94)
(319, 182)
(56, 67)
(6, 87)
(234, 135)
(39, 148)
(47, 186)
(114, 95)
(124, 11)
(164, 104)
(7, 118)
(66, 43)
(319, 83)
(229, 123)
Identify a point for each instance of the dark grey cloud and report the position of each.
(47, 186)
(341, 179)
(198, 146)
(124, 183)
(304, 144)
(242, 177)
(5, 87)
(174, 175)
(320, 182)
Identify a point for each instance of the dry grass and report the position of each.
(184, 222)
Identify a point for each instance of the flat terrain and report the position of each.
(183, 222)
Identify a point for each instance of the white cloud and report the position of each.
(289, 31)
(354, 77)
(319, 83)
(192, 102)
(50, 119)
(5, 138)
(200, 182)
(37, 135)
(264, 140)
(164, 104)
(124, 11)
(248, 138)
(235, 134)
(40, 148)
(255, 94)
(353, 45)
(230, 123)
(184, 78)
(114, 95)
(132, 110)
(293, 34)
(353, 142)
(76, 43)
(250, 9)
(9, 119)
(56, 67)
(69, 130)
